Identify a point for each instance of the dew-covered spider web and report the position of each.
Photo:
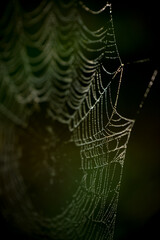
(62, 140)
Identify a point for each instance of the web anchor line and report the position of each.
(154, 75)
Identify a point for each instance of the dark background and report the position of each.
(137, 33)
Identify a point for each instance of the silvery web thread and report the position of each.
(99, 168)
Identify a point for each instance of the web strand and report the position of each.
(148, 90)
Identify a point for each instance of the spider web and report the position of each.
(59, 85)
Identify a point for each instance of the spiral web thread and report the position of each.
(76, 69)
